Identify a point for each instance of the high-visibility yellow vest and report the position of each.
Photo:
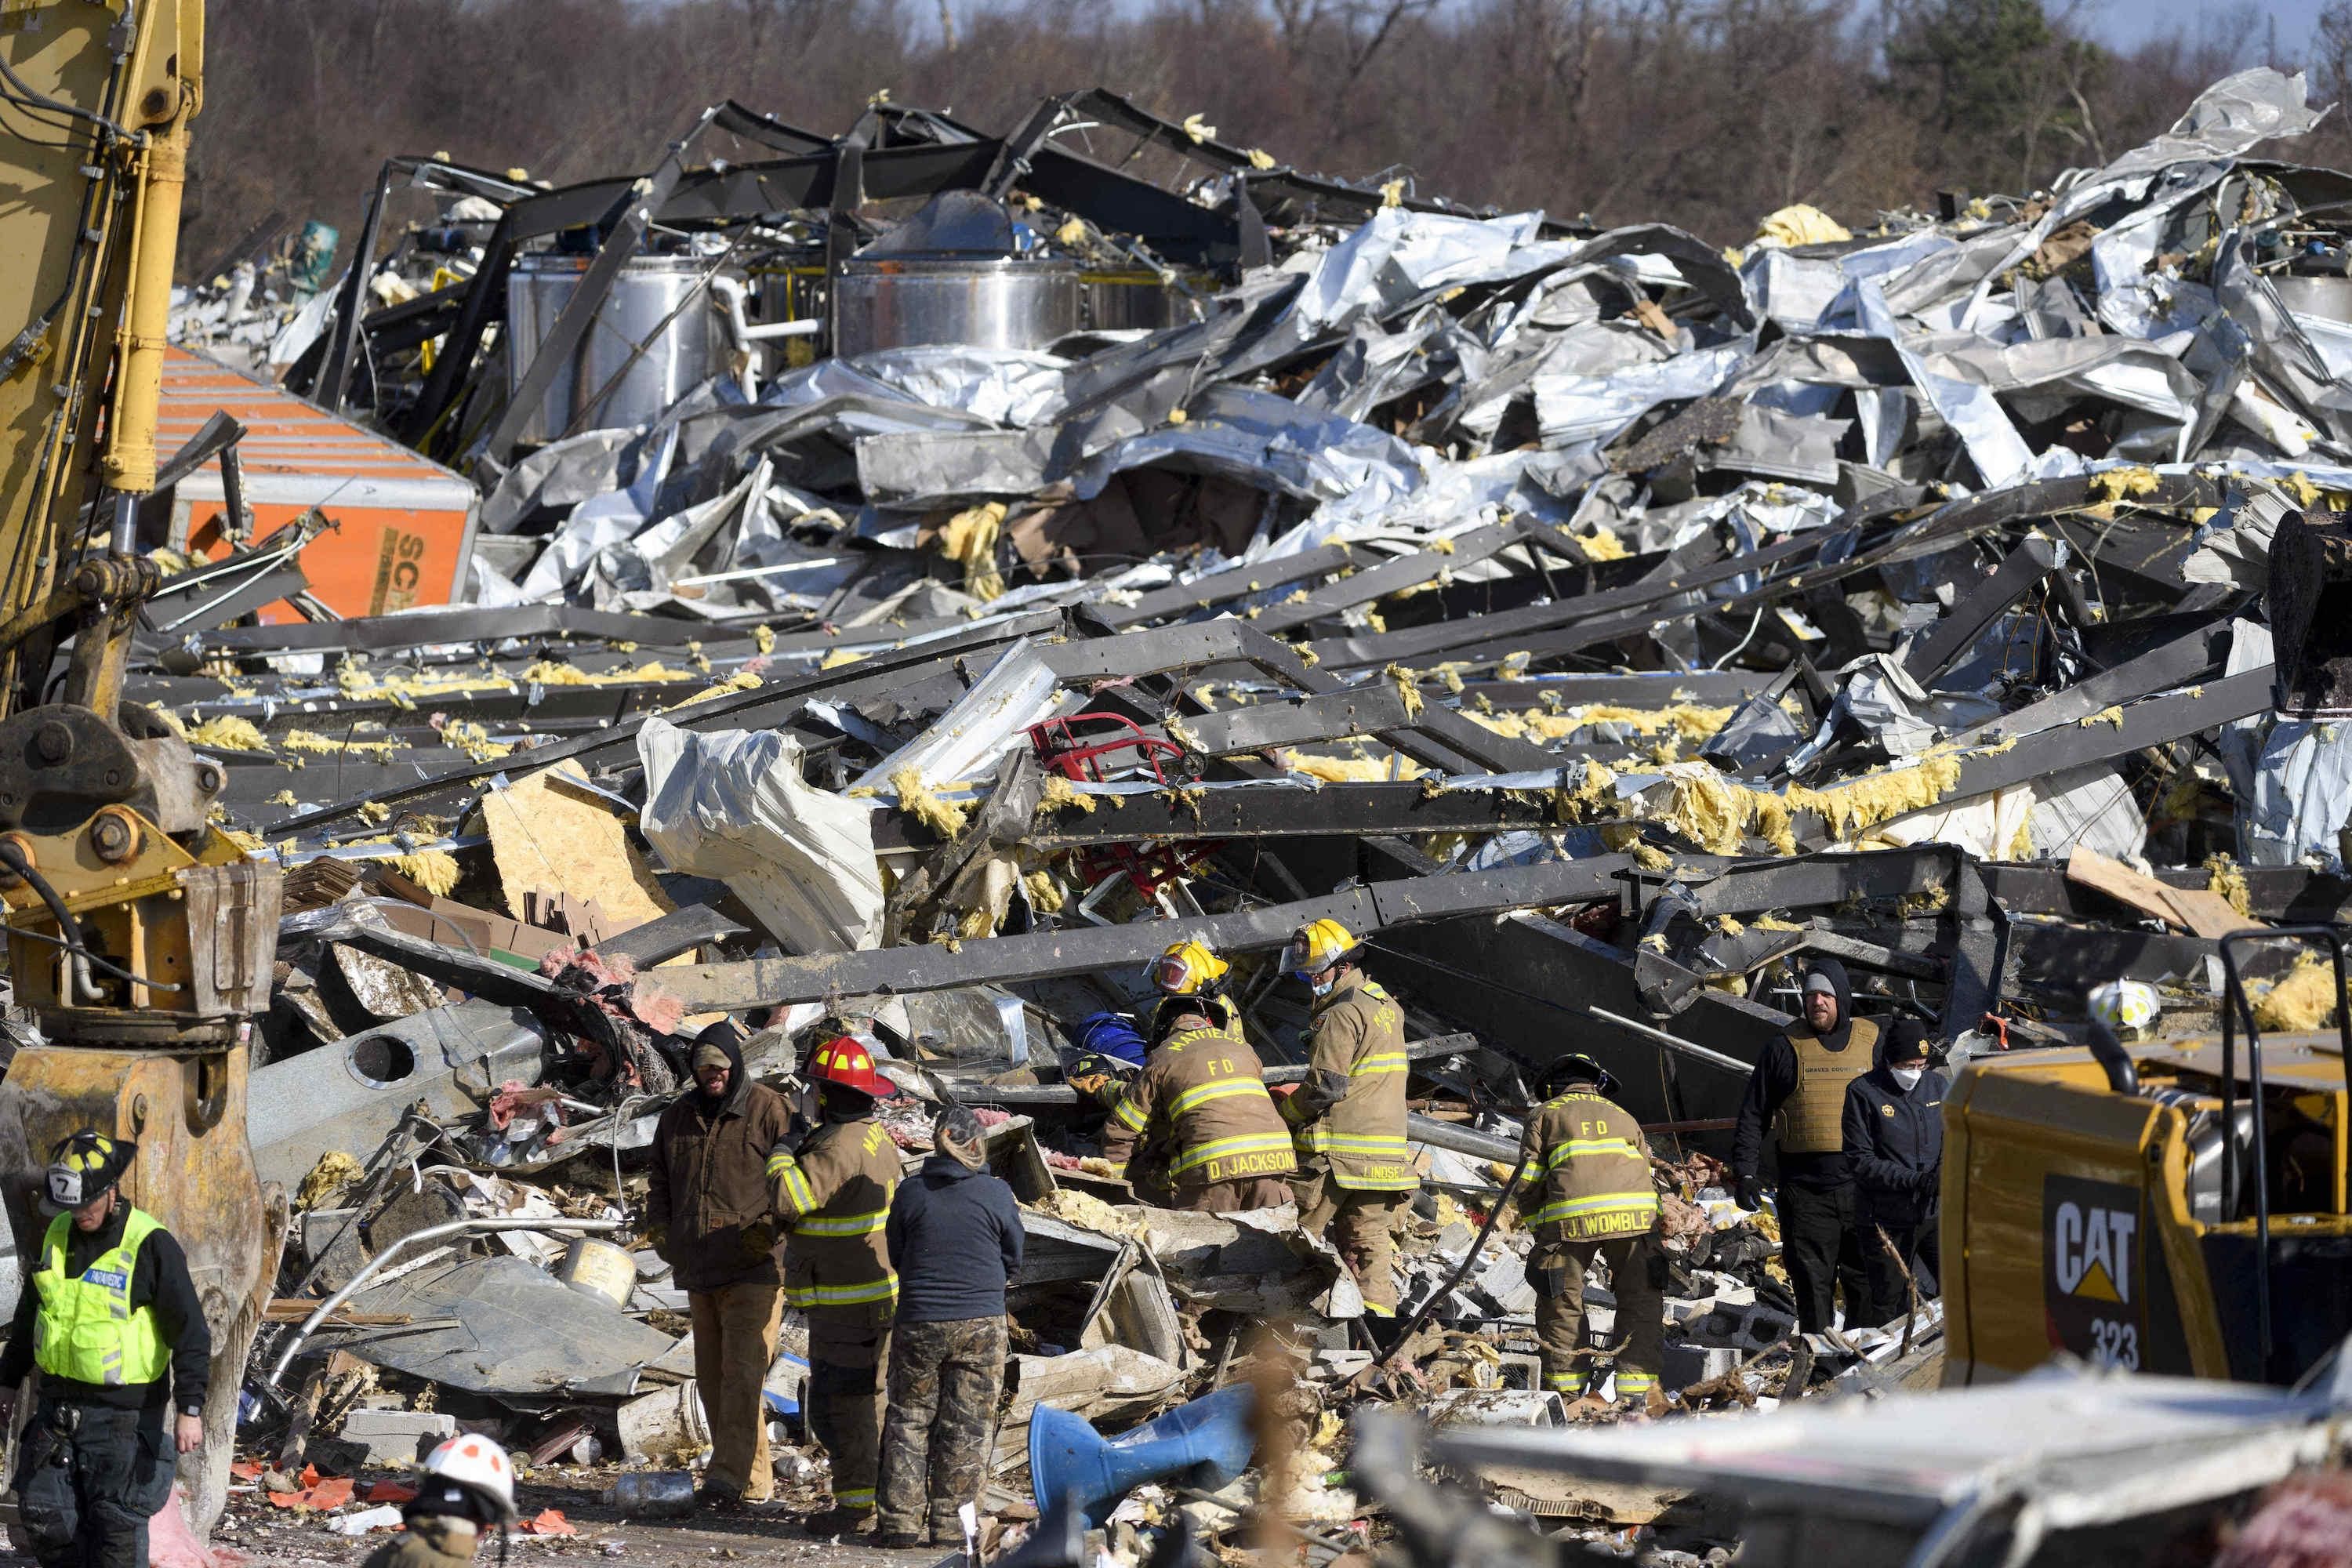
(87, 1330)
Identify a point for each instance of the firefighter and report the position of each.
(831, 1186)
(1585, 1192)
(1354, 1171)
(1798, 1087)
(1199, 1116)
(465, 1487)
(1189, 976)
(111, 1318)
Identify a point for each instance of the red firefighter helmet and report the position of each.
(848, 1061)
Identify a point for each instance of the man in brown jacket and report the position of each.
(707, 1215)
(1355, 1170)
(833, 1189)
(1585, 1192)
(1198, 1113)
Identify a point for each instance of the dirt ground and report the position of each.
(267, 1537)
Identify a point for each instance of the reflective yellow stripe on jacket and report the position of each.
(843, 1225)
(1221, 1088)
(841, 1295)
(1602, 1212)
(798, 1196)
(1233, 1148)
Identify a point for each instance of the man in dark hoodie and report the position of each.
(954, 1235)
(1895, 1144)
(1799, 1088)
(707, 1215)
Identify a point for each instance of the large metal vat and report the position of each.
(995, 301)
(650, 291)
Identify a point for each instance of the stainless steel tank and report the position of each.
(658, 303)
(988, 302)
(2330, 298)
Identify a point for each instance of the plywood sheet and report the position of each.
(552, 842)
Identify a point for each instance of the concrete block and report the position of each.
(1686, 1363)
(396, 1437)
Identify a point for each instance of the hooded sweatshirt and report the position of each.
(709, 1179)
(1775, 1079)
(955, 1239)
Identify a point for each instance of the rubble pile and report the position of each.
(1600, 624)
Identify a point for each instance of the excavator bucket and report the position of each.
(2310, 602)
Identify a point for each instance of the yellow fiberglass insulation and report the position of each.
(334, 1172)
(742, 681)
(1407, 688)
(2227, 877)
(1589, 797)
(969, 539)
(472, 739)
(1060, 793)
(1601, 544)
(251, 843)
(1716, 814)
(547, 672)
(838, 657)
(2123, 484)
(1349, 770)
(943, 818)
(1045, 894)
(763, 637)
(311, 741)
(229, 733)
(2302, 1002)
(1688, 721)
(434, 871)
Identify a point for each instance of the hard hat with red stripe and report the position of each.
(847, 1061)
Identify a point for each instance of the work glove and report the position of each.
(795, 1134)
(759, 1240)
(1748, 1191)
(657, 1237)
(1091, 1084)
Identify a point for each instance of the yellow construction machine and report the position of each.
(139, 937)
(2177, 1206)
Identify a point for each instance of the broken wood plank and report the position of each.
(2193, 909)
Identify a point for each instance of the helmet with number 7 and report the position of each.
(471, 1464)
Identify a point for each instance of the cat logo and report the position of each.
(2094, 1262)
(2092, 1250)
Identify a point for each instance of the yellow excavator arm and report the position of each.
(96, 97)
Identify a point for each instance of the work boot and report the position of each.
(901, 1539)
(838, 1523)
(717, 1497)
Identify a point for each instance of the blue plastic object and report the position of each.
(1205, 1444)
(1112, 1035)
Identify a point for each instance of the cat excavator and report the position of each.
(2174, 1207)
(139, 939)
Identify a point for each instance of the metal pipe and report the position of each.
(430, 1232)
(1459, 1140)
(1676, 1042)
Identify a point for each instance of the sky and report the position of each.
(2126, 22)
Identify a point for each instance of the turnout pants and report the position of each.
(1558, 1270)
(1232, 1197)
(847, 1347)
(1890, 1298)
(734, 1345)
(944, 1380)
(1822, 1252)
(89, 1479)
(1361, 1227)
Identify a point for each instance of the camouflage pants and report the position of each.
(944, 1380)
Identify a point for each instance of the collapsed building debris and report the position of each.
(1599, 627)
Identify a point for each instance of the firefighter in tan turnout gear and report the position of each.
(1199, 1116)
(1354, 1171)
(832, 1189)
(1585, 1192)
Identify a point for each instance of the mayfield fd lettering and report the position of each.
(2092, 1270)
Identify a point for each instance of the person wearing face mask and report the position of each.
(1895, 1144)
(1355, 1170)
(832, 1187)
(706, 1216)
(1798, 1089)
